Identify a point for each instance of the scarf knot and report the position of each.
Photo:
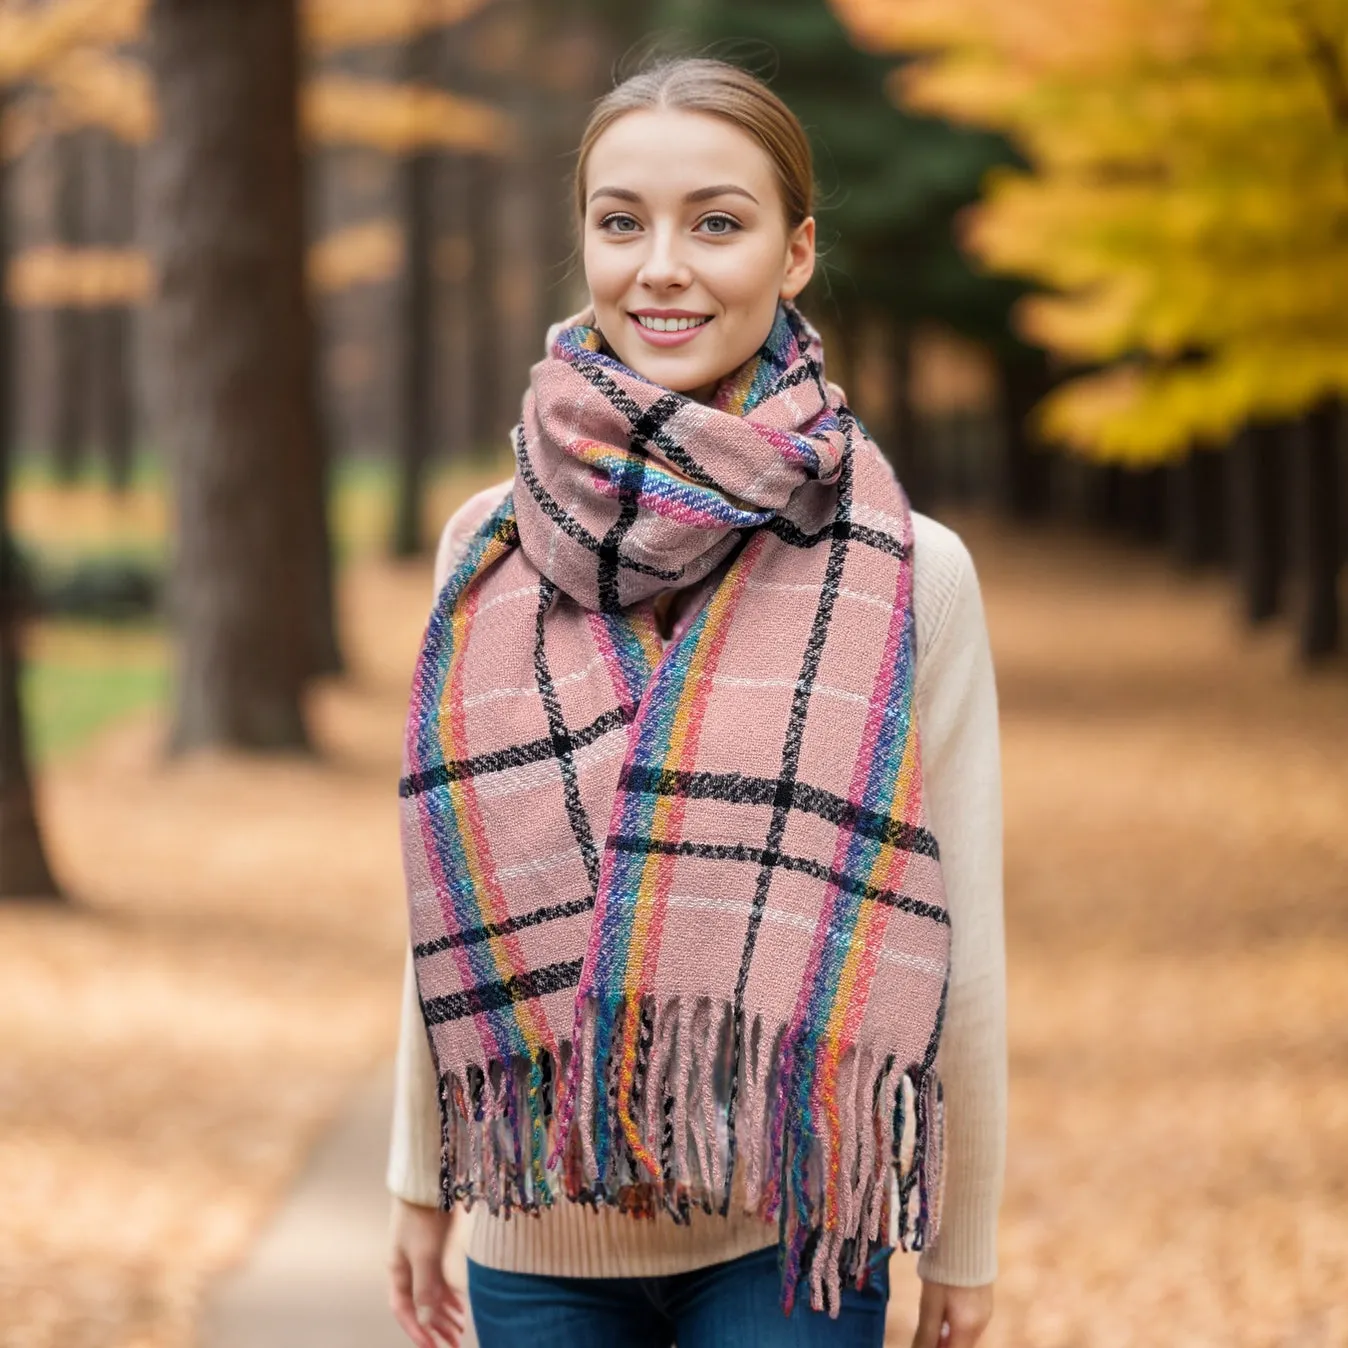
(689, 477)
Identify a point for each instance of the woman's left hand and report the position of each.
(966, 1310)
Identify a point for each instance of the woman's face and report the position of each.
(687, 249)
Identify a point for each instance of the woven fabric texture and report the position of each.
(677, 910)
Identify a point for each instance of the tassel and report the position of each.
(822, 1135)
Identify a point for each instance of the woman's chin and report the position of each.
(676, 375)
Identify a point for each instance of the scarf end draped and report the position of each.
(667, 1108)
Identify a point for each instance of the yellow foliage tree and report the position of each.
(1186, 204)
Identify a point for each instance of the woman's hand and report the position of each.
(966, 1310)
(419, 1296)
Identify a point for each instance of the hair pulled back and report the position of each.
(704, 84)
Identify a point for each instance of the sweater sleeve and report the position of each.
(961, 758)
(413, 1172)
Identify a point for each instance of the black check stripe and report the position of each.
(784, 789)
(769, 860)
(796, 537)
(597, 376)
(516, 756)
(737, 789)
(521, 987)
(629, 485)
(491, 930)
(569, 525)
(563, 746)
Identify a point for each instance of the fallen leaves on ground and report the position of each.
(1177, 925)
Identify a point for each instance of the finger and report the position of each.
(447, 1314)
(930, 1318)
(449, 1327)
(435, 1300)
(400, 1303)
(428, 1282)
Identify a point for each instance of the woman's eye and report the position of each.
(618, 224)
(720, 224)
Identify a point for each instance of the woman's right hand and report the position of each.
(421, 1300)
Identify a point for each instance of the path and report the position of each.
(315, 1279)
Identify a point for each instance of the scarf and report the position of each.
(676, 910)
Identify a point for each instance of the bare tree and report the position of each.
(112, 380)
(72, 323)
(24, 872)
(226, 227)
(1317, 497)
(414, 400)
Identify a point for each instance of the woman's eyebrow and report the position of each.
(720, 190)
(700, 194)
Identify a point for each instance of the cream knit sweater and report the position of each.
(957, 715)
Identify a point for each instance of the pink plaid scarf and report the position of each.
(678, 909)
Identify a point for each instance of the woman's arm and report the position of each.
(957, 716)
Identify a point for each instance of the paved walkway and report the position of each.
(315, 1278)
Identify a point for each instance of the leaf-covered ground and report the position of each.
(1177, 928)
(1177, 910)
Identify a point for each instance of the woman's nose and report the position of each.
(664, 265)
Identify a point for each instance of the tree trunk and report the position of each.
(226, 221)
(114, 404)
(1026, 477)
(1316, 501)
(906, 450)
(24, 872)
(1196, 509)
(1103, 497)
(1144, 503)
(416, 388)
(453, 266)
(1257, 523)
(110, 337)
(72, 323)
(314, 487)
(490, 418)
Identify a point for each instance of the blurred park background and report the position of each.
(274, 274)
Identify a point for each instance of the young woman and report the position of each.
(701, 812)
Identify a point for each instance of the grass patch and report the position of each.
(80, 677)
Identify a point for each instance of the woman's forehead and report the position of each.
(669, 152)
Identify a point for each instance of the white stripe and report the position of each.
(547, 772)
(539, 866)
(867, 514)
(801, 924)
(531, 689)
(791, 588)
(823, 689)
(529, 590)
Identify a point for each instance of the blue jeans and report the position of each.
(736, 1304)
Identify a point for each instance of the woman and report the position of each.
(701, 812)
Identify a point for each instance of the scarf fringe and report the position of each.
(637, 1121)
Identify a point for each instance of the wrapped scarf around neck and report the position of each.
(677, 911)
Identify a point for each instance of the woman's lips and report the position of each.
(667, 338)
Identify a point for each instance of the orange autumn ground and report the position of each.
(1177, 914)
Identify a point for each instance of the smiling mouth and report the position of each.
(654, 324)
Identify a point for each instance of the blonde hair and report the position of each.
(703, 84)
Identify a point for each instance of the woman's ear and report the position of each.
(799, 259)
